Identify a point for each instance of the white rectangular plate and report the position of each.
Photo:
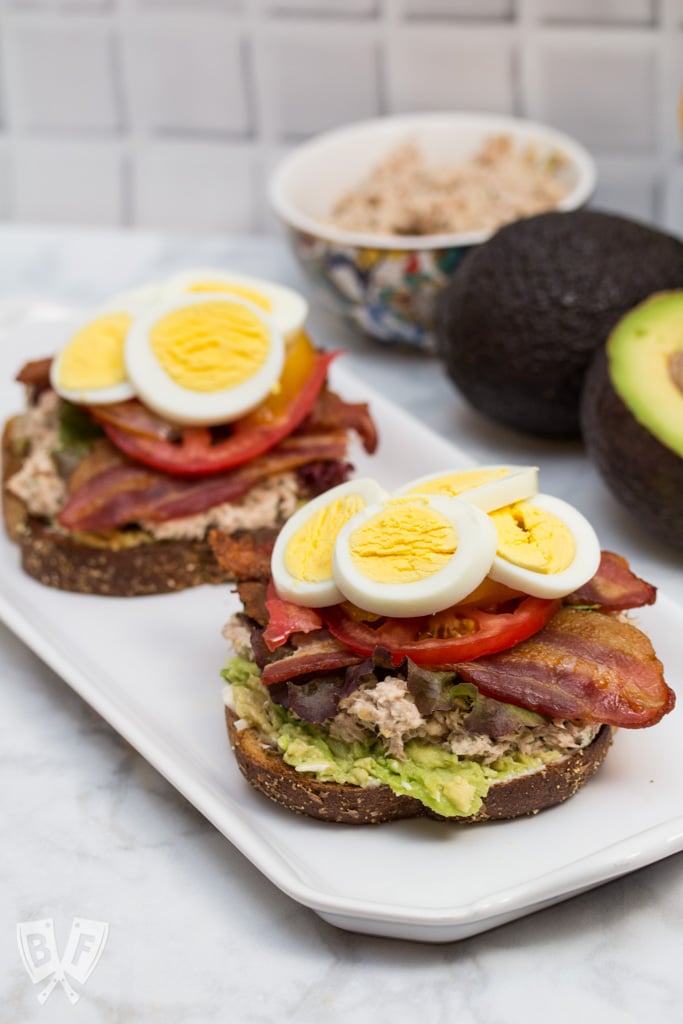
(150, 667)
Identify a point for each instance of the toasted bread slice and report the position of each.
(525, 794)
(122, 564)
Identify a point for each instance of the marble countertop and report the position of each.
(196, 934)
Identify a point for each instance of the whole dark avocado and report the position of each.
(632, 414)
(519, 321)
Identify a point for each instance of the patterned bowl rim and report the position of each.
(287, 169)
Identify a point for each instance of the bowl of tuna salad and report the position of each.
(380, 213)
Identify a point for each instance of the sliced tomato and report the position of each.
(196, 453)
(485, 633)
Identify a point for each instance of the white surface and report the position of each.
(195, 931)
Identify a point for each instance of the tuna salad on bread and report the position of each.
(461, 649)
(194, 404)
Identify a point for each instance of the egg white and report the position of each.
(559, 584)
(120, 392)
(289, 308)
(519, 483)
(325, 592)
(184, 405)
(470, 563)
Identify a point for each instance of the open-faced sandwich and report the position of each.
(193, 404)
(461, 649)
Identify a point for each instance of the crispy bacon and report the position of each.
(285, 618)
(583, 665)
(331, 411)
(252, 593)
(103, 455)
(128, 492)
(614, 586)
(244, 557)
(318, 653)
(35, 374)
(135, 418)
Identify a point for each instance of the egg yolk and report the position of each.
(534, 539)
(453, 484)
(94, 356)
(211, 346)
(403, 543)
(243, 290)
(309, 553)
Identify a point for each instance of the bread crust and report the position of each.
(526, 794)
(58, 560)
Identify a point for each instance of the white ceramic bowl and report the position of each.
(387, 284)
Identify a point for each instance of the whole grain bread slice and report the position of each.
(123, 564)
(526, 794)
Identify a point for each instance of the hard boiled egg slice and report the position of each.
(285, 306)
(413, 555)
(204, 359)
(139, 300)
(487, 487)
(301, 563)
(545, 547)
(90, 368)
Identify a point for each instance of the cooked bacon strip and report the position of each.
(130, 492)
(246, 557)
(103, 455)
(252, 593)
(583, 665)
(285, 618)
(319, 653)
(614, 586)
(332, 411)
(35, 374)
(135, 418)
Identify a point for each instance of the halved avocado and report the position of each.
(523, 314)
(632, 413)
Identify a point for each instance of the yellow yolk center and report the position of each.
(94, 356)
(243, 290)
(309, 553)
(533, 539)
(403, 543)
(453, 484)
(210, 346)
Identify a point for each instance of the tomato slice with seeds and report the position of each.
(484, 632)
(197, 453)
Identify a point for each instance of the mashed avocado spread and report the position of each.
(447, 783)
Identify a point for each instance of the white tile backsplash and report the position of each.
(67, 182)
(194, 187)
(474, 9)
(316, 79)
(598, 11)
(604, 94)
(171, 113)
(450, 69)
(61, 79)
(187, 77)
(628, 187)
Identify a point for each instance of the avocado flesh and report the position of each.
(523, 314)
(632, 415)
(450, 785)
(645, 353)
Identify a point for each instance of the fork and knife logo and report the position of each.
(38, 949)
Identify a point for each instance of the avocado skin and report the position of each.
(521, 317)
(642, 473)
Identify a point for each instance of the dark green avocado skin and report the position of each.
(519, 321)
(642, 473)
